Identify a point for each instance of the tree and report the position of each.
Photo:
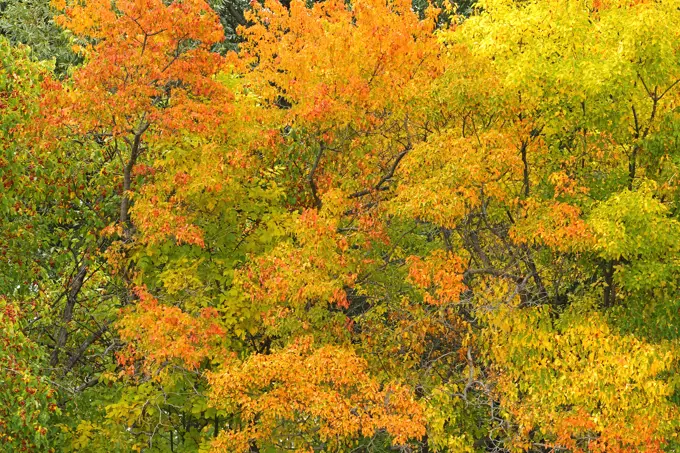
(370, 227)
(31, 22)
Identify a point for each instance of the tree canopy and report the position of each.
(333, 226)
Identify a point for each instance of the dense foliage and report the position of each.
(362, 226)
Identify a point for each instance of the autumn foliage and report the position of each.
(368, 226)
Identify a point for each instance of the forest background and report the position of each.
(362, 226)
